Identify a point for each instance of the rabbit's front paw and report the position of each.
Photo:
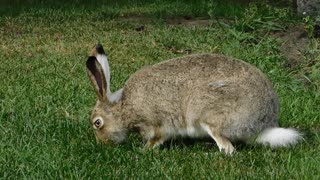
(153, 144)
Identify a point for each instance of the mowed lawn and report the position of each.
(46, 97)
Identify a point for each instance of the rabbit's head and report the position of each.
(104, 118)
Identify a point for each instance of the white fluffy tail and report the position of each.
(279, 137)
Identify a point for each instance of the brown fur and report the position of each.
(184, 96)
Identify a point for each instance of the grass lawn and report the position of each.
(46, 97)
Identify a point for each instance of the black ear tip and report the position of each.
(91, 62)
(100, 49)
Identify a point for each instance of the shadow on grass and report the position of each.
(206, 144)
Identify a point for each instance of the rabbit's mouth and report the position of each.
(105, 141)
(99, 139)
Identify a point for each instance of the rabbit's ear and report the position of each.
(97, 77)
(101, 57)
(100, 54)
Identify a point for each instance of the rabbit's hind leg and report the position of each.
(223, 143)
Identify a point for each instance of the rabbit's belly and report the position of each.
(189, 131)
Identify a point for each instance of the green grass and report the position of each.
(46, 97)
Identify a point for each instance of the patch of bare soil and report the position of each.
(294, 44)
(173, 21)
(188, 21)
(133, 18)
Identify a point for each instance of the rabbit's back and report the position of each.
(180, 94)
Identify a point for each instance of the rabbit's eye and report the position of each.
(98, 123)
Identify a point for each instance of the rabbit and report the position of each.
(199, 95)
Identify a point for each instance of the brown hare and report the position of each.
(201, 95)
